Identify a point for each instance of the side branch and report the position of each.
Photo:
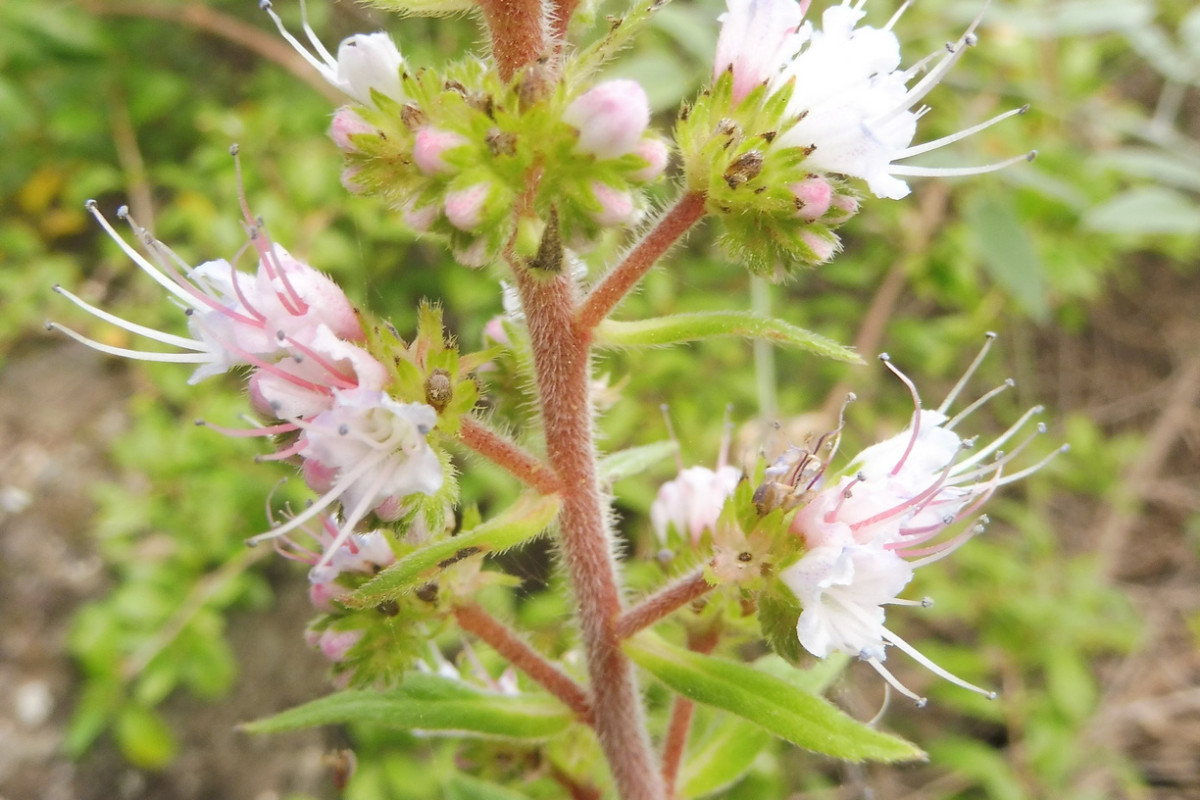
(613, 287)
(506, 642)
(508, 454)
(662, 603)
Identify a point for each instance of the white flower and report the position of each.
(692, 502)
(867, 532)
(365, 62)
(234, 317)
(857, 113)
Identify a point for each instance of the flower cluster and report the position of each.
(322, 392)
(453, 151)
(797, 113)
(865, 532)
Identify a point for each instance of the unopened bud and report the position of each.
(347, 123)
(335, 645)
(616, 206)
(813, 197)
(419, 219)
(349, 180)
(821, 247)
(656, 155)
(429, 146)
(464, 208)
(611, 118)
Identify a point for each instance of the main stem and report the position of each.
(561, 361)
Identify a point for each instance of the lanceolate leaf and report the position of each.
(634, 460)
(429, 703)
(801, 718)
(721, 758)
(524, 520)
(705, 325)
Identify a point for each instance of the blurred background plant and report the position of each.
(129, 613)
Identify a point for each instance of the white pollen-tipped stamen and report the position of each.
(935, 75)
(987, 396)
(999, 442)
(1002, 458)
(899, 13)
(246, 433)
(1025, 473)
(137, 258)
(926, 147)
(925, 556)
(353, 518)
(958, 172)
(137, 355)
(133, 327)
(325, 67)
(895, 683)
(324, 501)
(989, 337)
(916, 655)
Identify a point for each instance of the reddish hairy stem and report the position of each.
(680, 724)
(613, 287)
(578, 790)
(563, 369)
(662, 603)
(508, 454)
(507, 643)
(563, 9)
(519, 31)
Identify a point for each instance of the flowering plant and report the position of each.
(525, 164)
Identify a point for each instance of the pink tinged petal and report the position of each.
(322, 595)
(430, 144)
(346, 123)
(813, 197)
(757, 39)
(611, 118)
(616, 206)
(656, 155)
(821, 247)
(692, 502)
(335, 645)
(349, 179)
(464, 207)
(318, 476)
(419, 219)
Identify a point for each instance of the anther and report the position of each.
(122, 212)
(926, 602)
(1031, 155)
(343, 430)
(89, 204)
(233, 149)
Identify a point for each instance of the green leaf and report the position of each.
(144, 737)
(429, 703)
(801, 718)
(704, 325)
(720, 759)
(524, 520)
(633, 460)
(1007, 252)
(462, 787)
(1149, 210)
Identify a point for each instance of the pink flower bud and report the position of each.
(419, 219)
(348, 176)
(346, 123)
(846, 203)
(611, 118)
(429, 146)
(322, 595)
(616, 207)
(821, 247)
(656, 155)
(813, 197)
(494, 331)
(336, 644)
(464, 208)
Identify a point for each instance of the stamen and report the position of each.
(284, 454)
(329, 498)
(916, 419)
(954, 172)
(674, 438)
(353, 518)
(137, 355)
(966, 412)
(989, 337)
(926, 147)
(999, 441)
(243, 433)
(324, 67)
(934, 668)
(339, 379)
(137, 258)
(899, 13)
(133, 327)
(1025, 473)
(895, 683)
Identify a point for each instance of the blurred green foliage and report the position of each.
(137, 102)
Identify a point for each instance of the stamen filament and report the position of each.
(989, 337)
(137, 355)
(133, 327)
(954, 172)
